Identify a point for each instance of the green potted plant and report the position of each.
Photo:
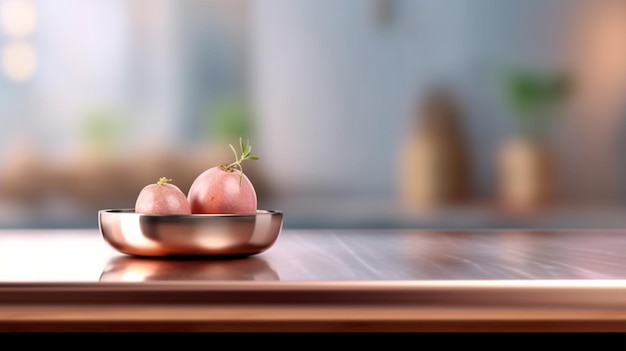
(526, 161)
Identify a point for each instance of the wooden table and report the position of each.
(322, 280)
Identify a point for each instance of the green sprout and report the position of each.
(246, 149)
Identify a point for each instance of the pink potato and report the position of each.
(162, 198)
(219, 191)
(224, 189)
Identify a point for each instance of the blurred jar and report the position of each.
(433, 160)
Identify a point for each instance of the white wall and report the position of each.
(335, 91)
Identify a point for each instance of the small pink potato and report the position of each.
(162, 198)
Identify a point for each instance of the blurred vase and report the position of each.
(526, 173)
(433, 159)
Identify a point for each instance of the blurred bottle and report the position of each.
(433, 159)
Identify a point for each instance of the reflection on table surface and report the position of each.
(331, 255)
(134, 269)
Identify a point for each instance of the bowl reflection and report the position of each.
(134, 269)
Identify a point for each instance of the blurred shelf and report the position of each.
(379, 213)
(326, 212)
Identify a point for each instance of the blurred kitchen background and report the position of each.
(364, 113)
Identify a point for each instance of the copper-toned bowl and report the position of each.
(189, 235)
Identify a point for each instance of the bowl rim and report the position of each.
(131, 211)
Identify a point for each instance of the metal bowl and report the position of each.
(189, 235)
